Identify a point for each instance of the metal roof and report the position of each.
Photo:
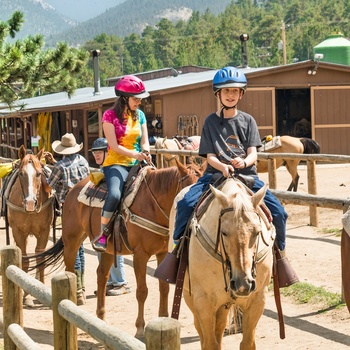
(86, 96)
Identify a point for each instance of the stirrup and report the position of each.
(96, 245)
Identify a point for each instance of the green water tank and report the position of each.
(335, 49)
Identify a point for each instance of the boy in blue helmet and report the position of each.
(229, 141)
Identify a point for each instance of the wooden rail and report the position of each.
(311, 199)
(161, 333)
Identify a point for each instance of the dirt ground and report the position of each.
(313, 252)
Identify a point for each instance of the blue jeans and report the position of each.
(80, 259)
(186, 206)
(115, 176)
(116, 274)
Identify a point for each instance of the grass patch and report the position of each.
(336, 231)
(305, 293)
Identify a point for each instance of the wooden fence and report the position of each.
(311, 199)
(161, 333)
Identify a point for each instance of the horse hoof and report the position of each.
(140, 334)
(29, 302)
(80, 300)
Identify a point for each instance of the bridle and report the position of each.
(36, 198)
(225, 260)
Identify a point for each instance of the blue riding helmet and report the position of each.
(99, 144)
(229, 77)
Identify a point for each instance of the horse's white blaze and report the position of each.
(31, 197)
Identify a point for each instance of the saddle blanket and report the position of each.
(270, 145)
(93, 196)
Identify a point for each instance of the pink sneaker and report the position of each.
(100, 243)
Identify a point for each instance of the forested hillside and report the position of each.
(133, 16)
(39, 18)
(213, 41)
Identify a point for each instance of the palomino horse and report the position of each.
(190, 143)
(233, 239)
(29, 207)
(290, 144)
(147, 221)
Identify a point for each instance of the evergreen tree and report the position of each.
(27, 70)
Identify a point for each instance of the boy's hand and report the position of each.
(238, 163)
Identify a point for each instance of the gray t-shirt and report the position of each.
(229, 138)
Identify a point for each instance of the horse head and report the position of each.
(237, 233)
(29, 174)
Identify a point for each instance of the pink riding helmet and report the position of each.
(130, 86)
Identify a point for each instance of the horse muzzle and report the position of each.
(30, 205)
(242, 287)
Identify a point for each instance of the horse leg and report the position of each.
(140, 268)
(21, 239)
(41, 243)
(205, 321)
(103, 268)
(71, 247)
(292, 167)
(163, 292)
(221, 322)
(251, 316)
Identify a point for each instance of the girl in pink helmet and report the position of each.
(125, 128)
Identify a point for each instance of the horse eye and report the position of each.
(224, 233)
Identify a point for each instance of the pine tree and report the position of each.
(27, 70)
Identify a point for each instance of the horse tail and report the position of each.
(310, 146)
(52, 257)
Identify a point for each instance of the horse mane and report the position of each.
(163, 179)
(241, 201)
(310, 146)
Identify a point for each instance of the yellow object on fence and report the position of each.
(5, 169)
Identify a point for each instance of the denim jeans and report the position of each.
(80, 259)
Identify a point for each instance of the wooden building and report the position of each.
(308, 98)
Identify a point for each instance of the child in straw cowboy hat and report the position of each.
(66, 173)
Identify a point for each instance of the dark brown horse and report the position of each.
(29, 207)
(290, 144)
(148, 232)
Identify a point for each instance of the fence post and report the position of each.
(64, 286)
(271, 166)
(12, 295)
(312, 189)
(163, 333)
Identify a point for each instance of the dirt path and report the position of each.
(313, 252)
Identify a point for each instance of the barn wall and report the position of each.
(331, 118)
(200, 102)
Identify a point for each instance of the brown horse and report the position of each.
(147, 221)
(232, 238)
(178, 143)
(29, 207)
(290, 144)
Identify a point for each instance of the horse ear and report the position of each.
(182, 168)
(40, 153)
(221, 196)
(258, 197)
(22, 152)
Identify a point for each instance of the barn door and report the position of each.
(260, 103)
(330, 115)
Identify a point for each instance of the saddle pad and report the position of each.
(270, 145)
(93, 196)
(135, 185)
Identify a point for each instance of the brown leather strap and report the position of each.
(180, 279)
(276, 289)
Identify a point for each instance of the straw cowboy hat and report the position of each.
(67, 145)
